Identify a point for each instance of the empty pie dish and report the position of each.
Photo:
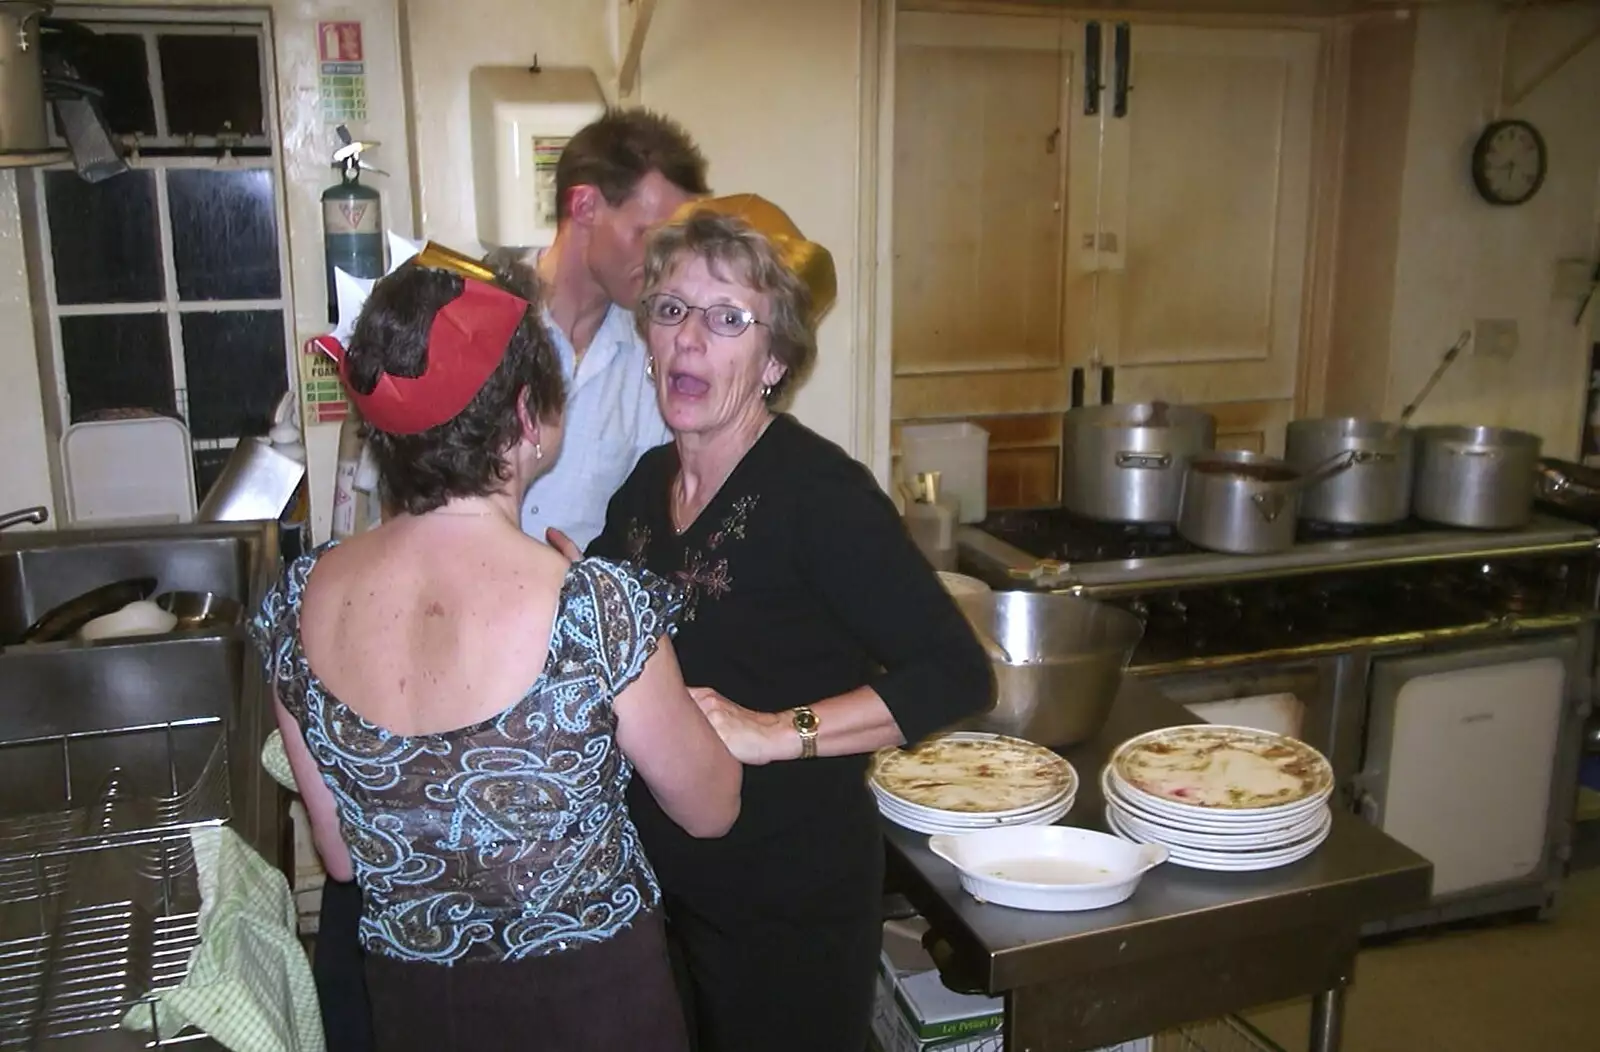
(1052, 868)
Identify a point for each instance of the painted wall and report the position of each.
(772, 92)
(1459, 259)
(769, 90)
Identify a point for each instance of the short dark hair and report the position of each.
(466, 455)
(613, 153)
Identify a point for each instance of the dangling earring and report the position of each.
(650, 366)
(538, 451)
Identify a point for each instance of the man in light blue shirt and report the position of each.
(617, 178)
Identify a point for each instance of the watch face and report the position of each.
(1508, 164)
(805, 721)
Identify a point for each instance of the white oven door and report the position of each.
(1461, 752)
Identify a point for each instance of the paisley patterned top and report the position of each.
(509, 838)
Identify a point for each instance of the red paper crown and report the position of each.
(466, 343)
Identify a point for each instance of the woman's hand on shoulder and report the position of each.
(754, 738)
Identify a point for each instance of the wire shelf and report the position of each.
(99, 894)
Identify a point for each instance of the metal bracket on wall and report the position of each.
(1513, 96)
(1093, 83)
(628, 74)
(1122, 55)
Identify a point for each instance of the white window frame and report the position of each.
(150, 22)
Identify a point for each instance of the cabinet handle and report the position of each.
(1108, 385)
(1092, 84)
(1122, 48)
(1076, 401)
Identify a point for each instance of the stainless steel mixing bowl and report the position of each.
(1067, 658)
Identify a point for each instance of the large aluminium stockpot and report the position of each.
(1125, 463)
(1481, 478)
(1374, 491)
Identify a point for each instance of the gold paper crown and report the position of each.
(806, 260)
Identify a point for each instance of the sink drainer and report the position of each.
(99, 898)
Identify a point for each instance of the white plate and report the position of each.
(961, 584)
(1221, 769)
(1215, 841)
(1198, 820)
(1231, 862)
(888, 809)
(1183, 815)
(1054, 868)
(970, 772)
(923, 825)
(982, 818)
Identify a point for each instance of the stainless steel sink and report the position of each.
(39, 571)
(110, 753)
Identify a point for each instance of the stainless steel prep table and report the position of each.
(1190, 944)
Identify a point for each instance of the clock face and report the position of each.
(1508, 163)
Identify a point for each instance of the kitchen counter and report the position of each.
(1189, 945)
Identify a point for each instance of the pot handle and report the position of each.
(1270, 503)
(1470, 451)
(1131, 459)
(1329, 468)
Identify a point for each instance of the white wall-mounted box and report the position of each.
(521, 121)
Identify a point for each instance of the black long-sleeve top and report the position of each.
(802, 584)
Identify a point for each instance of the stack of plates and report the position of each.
(1221, 798)
(967, 780)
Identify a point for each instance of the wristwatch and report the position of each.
(805, 725)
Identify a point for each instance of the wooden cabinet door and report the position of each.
(1199, 259)
(981, 142)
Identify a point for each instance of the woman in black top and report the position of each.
(814, 631)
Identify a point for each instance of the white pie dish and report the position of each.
(1050, 868)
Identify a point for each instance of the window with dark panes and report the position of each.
(167, 284)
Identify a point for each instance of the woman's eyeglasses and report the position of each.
(723, 319)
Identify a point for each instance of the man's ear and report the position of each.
(584, 203)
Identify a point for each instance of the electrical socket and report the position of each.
(1574, 277)
(1495, 337)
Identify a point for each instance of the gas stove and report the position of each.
(1055, 549)
(1334, 609)
(1333, 589)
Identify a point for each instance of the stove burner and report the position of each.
(1061, 535)
(1250, 617)
(1055, 533)
(1312, 532)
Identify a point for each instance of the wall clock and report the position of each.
(1509, 162)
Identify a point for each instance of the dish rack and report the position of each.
(99, 895)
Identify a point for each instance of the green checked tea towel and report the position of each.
(249, 985)
(276, 761)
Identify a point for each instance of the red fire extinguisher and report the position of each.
(352, 219)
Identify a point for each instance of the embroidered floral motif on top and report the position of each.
(702, 576)
(732, 527)
(638, 540)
